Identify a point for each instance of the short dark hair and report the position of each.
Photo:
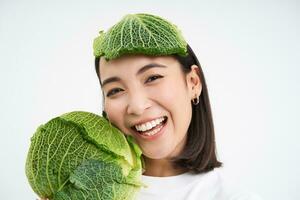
(199, 153)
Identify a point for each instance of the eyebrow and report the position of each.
(140, 71)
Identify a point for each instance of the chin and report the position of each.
(158, 155)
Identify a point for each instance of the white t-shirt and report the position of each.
(187, 186)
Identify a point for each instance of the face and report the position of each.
(153, 93)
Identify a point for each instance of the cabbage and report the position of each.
(81, 155)
(140, 34)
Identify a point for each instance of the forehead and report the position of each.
(131, 63)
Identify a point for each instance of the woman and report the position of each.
(154, 90)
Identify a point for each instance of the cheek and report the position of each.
(173, 93)
(114, 113)
(166, 91)
(174, 97)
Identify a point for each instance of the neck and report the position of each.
(160, 168)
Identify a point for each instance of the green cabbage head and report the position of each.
(80, 155)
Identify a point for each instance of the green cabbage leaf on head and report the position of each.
(140, 34)
(81, 155)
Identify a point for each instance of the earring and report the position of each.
(195, 101)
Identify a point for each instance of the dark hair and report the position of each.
(199, 154)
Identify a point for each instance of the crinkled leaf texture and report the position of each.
(96, 179)
(140, 34)
(80, 155)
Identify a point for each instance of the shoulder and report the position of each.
(207, 186)
(188, 186)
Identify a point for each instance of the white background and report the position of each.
(249, 51)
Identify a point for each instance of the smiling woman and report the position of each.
(154, 90)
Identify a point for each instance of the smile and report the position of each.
(150, 128)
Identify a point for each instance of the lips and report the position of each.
(153, 131)
(150, 124)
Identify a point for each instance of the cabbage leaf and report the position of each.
(140, 34)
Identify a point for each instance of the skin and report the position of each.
(149, 95)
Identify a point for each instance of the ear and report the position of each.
(194, 82)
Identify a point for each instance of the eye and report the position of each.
(153, 78)
(113, 91)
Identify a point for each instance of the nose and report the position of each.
(138, 102)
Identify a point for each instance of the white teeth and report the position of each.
(153, 123)
(153, 131)
(149, 125)
(157, 121)
(143, 127)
